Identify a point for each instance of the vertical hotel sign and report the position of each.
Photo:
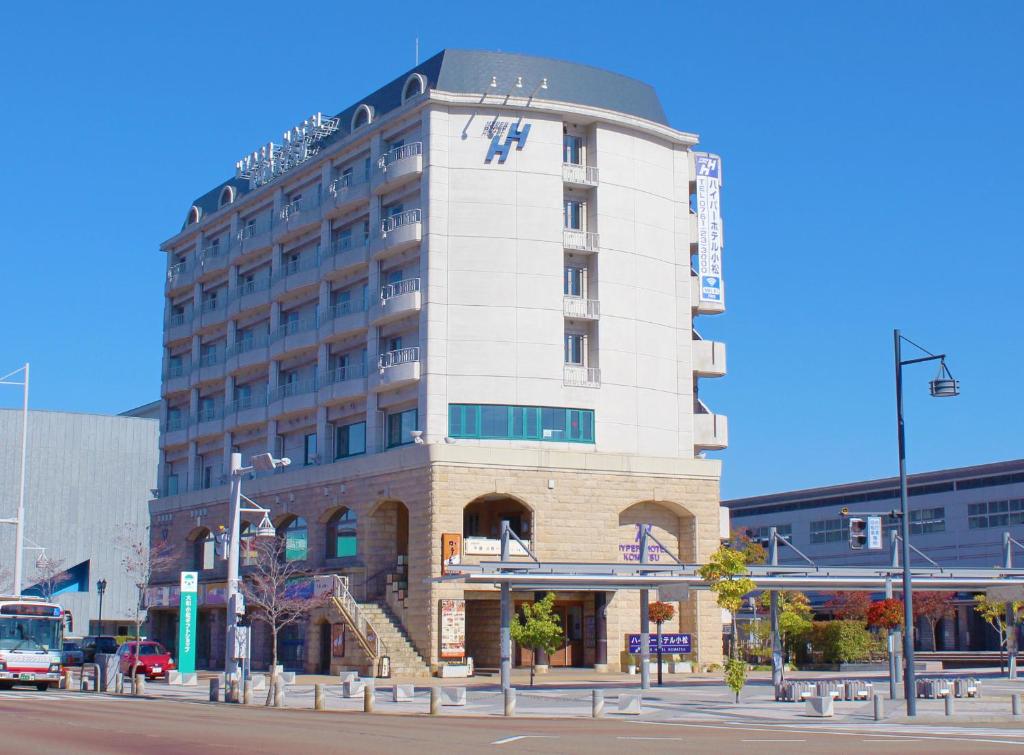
(709, 227)
(187, 622)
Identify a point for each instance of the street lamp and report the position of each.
(235, 605)
(943, 386)
(101, 587)
(19, 520)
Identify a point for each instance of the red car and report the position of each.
(149, 658)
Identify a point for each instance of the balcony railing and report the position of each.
(407, 286)
(214, 253)
(177, 270)
(209, 414)
(578, 376)
(210, 358)
(343, 308)
(399, 153)
(175, 369)
(254, 229)
(293, 388)
(303, 204)
(578, 307)
(586, 241)
(341, 374)
(400, 356)
(212, 303)
(175, 422)
(346, 244)
(408, 217)
(252, 401)
(300, 325)
(306, 261)
(582, 175)
(178, 318)
(251, 287)
(248, 343)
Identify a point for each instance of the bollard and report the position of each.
(279, 693)
(949, 704)
(247, 692)
(231, 693)
(367, 699)
(318, 697)
(597, 704)
(119, 684)
(139, 688)
(510, 701)
(879, 708)
(435, 701)
(214, 690)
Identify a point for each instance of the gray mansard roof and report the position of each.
(471, 71)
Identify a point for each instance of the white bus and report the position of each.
(31, 640)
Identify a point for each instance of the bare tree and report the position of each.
(141, 560)
(275, 592)
(48, 575)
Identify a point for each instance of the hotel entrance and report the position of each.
(572, 648)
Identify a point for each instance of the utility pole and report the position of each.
(19, 520)
(773, 558)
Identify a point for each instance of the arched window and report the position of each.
(227, 196)
(203, 550)
(296, 539)
(341, 534)
(363, 116)
(415, 84)
(194, 214)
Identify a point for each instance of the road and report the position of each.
(57, 722)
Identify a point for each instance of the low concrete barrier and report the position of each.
(1015, 703)
(352, 688)
(939, 687)
(879, 708)
(215, 690)
(597, 703)
(629, 705)
(820, 706)
(510, 702)
(403, 693)
(348, 676)
(453, 695)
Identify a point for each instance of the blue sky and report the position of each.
(873, 160)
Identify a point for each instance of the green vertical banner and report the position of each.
(187, 614)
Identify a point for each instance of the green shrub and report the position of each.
(842, 641)
(735, 675)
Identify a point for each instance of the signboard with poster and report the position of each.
(453, 628)
(709, 227)
(337, 640)
(451, 550)
(187, 614)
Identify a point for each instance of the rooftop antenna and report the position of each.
(417, 49)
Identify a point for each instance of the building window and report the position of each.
(574, 282)
(172, 484)
(309, 449)
(363, 116)
(341, 534)
(573, 215)
(194, 214)
(500, 422)
(572, 149)
(296, 539)
(575, 349)
(400, 427)
(350, 440)
(760, 534)
(924, 521)
(204, 551)
(828, 531)
(227, 196)
(995, 513)
(414, 85)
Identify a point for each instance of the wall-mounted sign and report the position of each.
(451, 550)
(298, 144)
(187, 611)
(514, 133)
(670, 643)
(453, 628)
(874, 533)
(337, 640)
(709, 227)
(487, 546)
(631, 551)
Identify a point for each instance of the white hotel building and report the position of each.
(469, 297)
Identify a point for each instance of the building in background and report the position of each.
(88, 480)
(467, 298)
(957, 517)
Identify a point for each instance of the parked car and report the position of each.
(72, 654)
(148, 657)
(93, 644)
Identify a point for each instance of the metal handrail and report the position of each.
(345, 308)
(408, 217)
(341, 374)
(250, 342)
(258, 228)
(175, 370)
(210, 358)
(577, 306)
(174, 321)
(310, 322)
(306, 261)
(366, 635)
(251, 287)
(578, 173)
(302, 204)
(209, 415)
(407, 286)
(176, 423)
(577, 375)
(575, 238)
(345, 244)
(294, 388)
(399, 153)
(212, 303)
(399, 356)
(213, 252)
(248, 402)
(344, 183)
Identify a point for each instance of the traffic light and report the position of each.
(858, 533)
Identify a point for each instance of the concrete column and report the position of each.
(962, 635)
(197, 295)
(233, 240)
(232, 279)
(228, 440)
(193, 401)
(232, 333)
(273, 374)
(229, 389)
(601, 631)
(324, 301)
(190, 473)
(325, 235)
(276, 255)
(275, 218)
(275, 317)
(196, 346)
(272, 436)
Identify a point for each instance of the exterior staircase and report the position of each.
(405, 660)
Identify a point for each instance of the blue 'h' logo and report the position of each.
(516, 134)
